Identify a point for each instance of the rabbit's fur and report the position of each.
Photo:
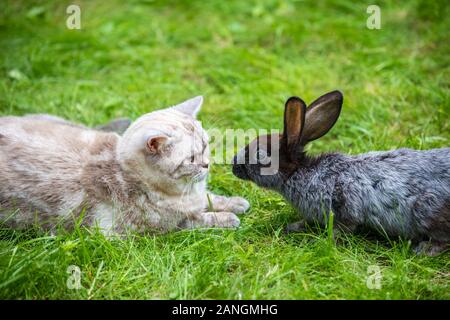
(402, 193)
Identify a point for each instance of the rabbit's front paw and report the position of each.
(429, 248)
(298, 226)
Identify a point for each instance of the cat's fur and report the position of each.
(153, 178)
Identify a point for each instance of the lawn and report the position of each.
(246, 58)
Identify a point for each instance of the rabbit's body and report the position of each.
(401, 193)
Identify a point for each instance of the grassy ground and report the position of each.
(246, 58)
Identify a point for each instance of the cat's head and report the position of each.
(168, 147)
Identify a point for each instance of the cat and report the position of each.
(150, 179)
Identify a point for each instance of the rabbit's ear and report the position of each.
(321, 116)
(294, 120)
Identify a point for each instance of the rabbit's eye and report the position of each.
(262, 157)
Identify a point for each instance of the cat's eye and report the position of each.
(192, 159)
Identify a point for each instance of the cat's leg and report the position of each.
(211, 220)
(228, 204)
(104, 219)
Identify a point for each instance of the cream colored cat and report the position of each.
(153, 178)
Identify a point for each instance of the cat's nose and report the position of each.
(205, 165)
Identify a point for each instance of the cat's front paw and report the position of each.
(221, 220)
(229, 204)
(238, 204)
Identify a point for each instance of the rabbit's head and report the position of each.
(270, 159)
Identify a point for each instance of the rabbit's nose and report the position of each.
(239, 171)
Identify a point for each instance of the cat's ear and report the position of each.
(190, 107)
(156, 143)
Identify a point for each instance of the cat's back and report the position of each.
(41, 162)
(45, 145)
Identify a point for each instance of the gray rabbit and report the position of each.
(401, 193)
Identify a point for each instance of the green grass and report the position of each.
(246, 58)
